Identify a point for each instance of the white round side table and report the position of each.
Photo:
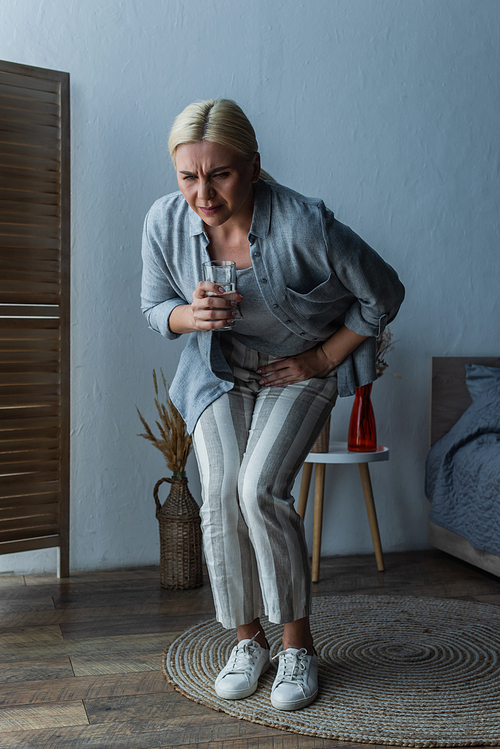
(338, 453)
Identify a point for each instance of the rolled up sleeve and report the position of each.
(158, 297)
(375, 284)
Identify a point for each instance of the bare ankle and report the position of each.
(298, 645)
(298, 635)
(252, 630)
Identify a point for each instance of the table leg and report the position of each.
(304, 489)
(319, 490)
(372, 516)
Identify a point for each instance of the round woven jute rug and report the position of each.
(400, 671)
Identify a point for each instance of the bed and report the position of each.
(462, 478)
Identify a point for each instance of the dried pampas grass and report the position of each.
(385, 344)
(174, 443)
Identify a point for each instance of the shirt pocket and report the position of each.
(323, 304)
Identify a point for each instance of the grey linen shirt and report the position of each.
(314, 273)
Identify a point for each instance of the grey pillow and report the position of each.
(479, 379)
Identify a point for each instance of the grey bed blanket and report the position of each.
(462, 477)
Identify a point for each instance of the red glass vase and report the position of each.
(362, 430)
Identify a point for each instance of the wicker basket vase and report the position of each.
(180, 535)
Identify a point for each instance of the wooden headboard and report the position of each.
(449, 394)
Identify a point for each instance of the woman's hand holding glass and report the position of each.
(213, 308)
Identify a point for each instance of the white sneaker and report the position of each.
(240, 676)
(296, 683)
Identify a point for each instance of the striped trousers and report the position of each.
(250, 444)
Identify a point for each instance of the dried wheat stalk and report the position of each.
(174, 443)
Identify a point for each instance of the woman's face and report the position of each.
(217, 182)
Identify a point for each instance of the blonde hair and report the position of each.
(219, 121)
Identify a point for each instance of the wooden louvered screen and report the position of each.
(34, 310)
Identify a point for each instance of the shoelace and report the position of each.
(292, 664)
(239, 660)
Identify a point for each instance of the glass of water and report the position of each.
(223, 273)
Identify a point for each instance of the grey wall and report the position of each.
(387, 109)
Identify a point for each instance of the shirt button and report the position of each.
(289, 321)
(264, 280)
(302, 333)
(275, 306)
(256, 254)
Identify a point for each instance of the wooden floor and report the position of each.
(80, 658)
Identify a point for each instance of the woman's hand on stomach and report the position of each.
(315, 362)
(310, 363)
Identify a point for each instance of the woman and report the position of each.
(311, 299)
